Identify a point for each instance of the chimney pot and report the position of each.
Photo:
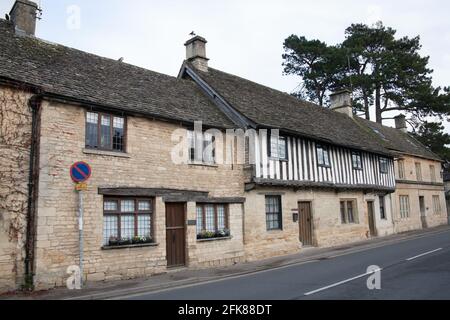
(196, 53)
(400, 123)
(23, 15)
(341, 101)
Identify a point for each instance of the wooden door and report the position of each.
(175, 234)
(305, 223)
(370, 211)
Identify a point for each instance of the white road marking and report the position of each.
(423, 254)
(342, 282)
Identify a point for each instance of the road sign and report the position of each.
(80, 172)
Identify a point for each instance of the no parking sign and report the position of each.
(80, 172)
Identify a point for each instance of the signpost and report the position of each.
(80, 172)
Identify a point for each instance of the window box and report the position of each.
(208, 235)
(131, 246)
(214, 239)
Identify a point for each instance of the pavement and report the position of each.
(413, 265)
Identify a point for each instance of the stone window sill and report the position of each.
(214, 239)
(131, 246)
(106, 153)
(200, 164)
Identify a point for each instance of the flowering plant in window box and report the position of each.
(113, 241)
(212, 235)
(125, 242)
(223, 233)
(142, 240)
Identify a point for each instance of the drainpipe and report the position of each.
(34, 104)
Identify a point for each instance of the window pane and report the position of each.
(92, 117)
(274, 140)
(343, 218)
(105, 139)
(118, 134)
(383, 165)
(209, 217)
(199, 219)
(127, 206)
(350, 212)
(145, 206)
(208, 148)
(110, 206)
(326, 158)
(221, 225)
(91, 130)
(127, 226)
(144, 225)
(320, 156)
(282, 148)
(382, 210)
(110, 228)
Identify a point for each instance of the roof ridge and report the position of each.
(272, 89)
(90, 54)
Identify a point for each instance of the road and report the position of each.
(413, 269)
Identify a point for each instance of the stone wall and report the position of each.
(15, 137)
(328, 230)
(415, 189)
(209, 253)
(414, 221)
(147, 164)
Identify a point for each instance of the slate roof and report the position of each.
(79, 75)
(398, 141)
(274, 109)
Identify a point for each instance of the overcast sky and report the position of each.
(245, 37)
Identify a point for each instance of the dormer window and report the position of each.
(323, 157)
(278, 148)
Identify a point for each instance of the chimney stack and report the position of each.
(341, 101)
(23, 15)
(400, 123)
(196, 53)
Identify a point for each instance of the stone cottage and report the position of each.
(199, 170)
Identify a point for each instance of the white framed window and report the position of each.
(419, 171)
(432, 173)
(401, 169)
(437, 205)
(404, 206)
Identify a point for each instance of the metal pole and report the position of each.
(80, 228)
